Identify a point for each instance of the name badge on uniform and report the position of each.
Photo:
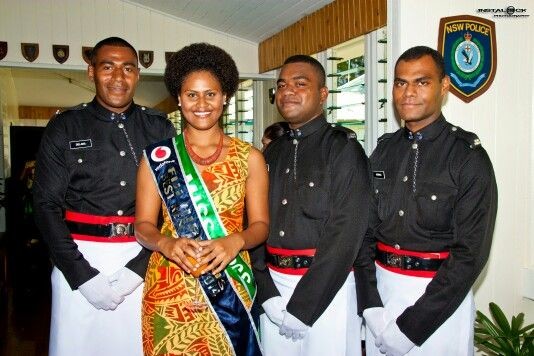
(379, 174)
(74, 145)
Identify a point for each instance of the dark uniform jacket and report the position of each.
(434, 191)
(318, 198)
(85, 164)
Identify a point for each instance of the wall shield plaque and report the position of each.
(168, 56)
(30, 51)
(146, 58)
(61, 53)
(3, 49)
(469, 48)
(86, 54)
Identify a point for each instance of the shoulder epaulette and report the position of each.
(385, 137)
(72, 108)
(151, 111)
(469, 138)
(348, 132)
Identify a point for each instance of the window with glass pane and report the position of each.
(245, 111)
(238, 121)
(346, 80)
(229, 119)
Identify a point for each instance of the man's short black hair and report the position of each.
(111, 41)
(201, 57)
(301, 58)
(420, 51)
(276, 130)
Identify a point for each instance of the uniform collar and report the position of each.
(108, 115)
(308, 128)
(428, 133)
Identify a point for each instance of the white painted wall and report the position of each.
(503, 119)
(80, 23)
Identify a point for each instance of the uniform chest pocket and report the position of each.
(381, 192)
(313, 198)
(84, 168)
(435, 206)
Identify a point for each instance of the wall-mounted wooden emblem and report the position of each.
(168, 56)
(469, 48)
(146, 58)
(86, 54)
(61, 53)
(3, 49)
(30, 51)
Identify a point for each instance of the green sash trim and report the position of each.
(208, 216)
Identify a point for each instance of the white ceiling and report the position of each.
(253, 20)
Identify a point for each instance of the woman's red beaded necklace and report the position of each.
(200, 160)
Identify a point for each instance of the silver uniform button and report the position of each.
(80, 160)
(401, 212)
(433, 197)
(414, 146)
(376, 191)
(122, 153)
(143, 108)
(397, 247)
(281, 233)
(311, 184)
(123, 183)
(295, 141)
(284, 201)
(405, 178)
(454, 128)
(287, 170)
(120, 212)
(120, 125)
(84, 105)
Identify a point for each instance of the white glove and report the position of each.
(375, 319)
(392, 342)
(125, 281)
(293, 328)
(99, 293)
(274, 309)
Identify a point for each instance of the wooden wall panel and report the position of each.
(37, 112)
(333, 24)
(168, 105)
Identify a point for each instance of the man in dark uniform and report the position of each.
(431, 222)
(84, 205)
(319, 200)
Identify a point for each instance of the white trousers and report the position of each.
(79, 329)
(336, 332)
(453, 337)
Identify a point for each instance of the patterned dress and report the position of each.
(169, 328)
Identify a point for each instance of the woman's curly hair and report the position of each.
(199, 57)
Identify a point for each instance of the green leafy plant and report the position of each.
(502, 337)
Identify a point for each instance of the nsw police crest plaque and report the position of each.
(469, 48)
